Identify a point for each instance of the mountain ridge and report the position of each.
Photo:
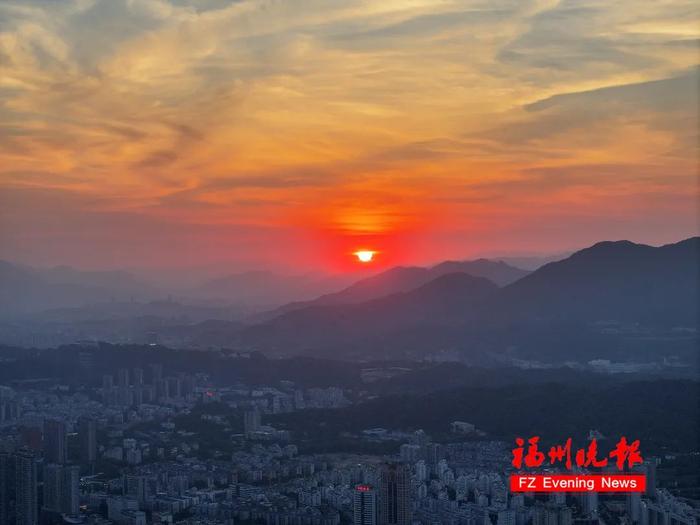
(404, 278)
(615, 282)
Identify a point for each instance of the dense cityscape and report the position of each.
(152, 446)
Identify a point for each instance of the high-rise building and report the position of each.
(137, 397)
(364, 505)
(107, 382)
(162, 390)
(557, 498)
(251, 421)
(123, 377)
(565, 516)
(589, 503)
(6, 485)
(409, 453)
(420, 438)
(18, 489)
(505, 517)
(61, 489)
(552, 514)
(650, 471)
(31, 437)
(188, 385)
(26, 501)
(9, 409)
(87, 435)
(434, 453)
(174, 387)
(395, 495)
(156, 373)
(633, 506)
(71, 490)
(421, 470)
(141, 488)
(53, 487)
(138, 376)
(299, 402)
(55, 442)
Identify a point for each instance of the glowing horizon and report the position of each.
(143, 132)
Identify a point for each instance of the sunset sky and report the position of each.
(290, 133)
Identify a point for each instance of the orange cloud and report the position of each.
(427, 127)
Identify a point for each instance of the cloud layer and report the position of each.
(213, 129)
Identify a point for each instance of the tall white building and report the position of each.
(421, 470)
(251, 421)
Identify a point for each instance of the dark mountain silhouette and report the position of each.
(404, 279)
(445, 300)
(613, 286)
(394, 280)
(611, 281)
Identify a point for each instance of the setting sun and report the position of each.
(365, 256)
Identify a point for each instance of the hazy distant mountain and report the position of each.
(12, 275)
(173, 323)
(122, 281)
(438, 302)
(263, 288)
(403, 279)
(25, 289)
(497, 272)
(532, 262)
(565, 304)
(163, 309)
(394, 280)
